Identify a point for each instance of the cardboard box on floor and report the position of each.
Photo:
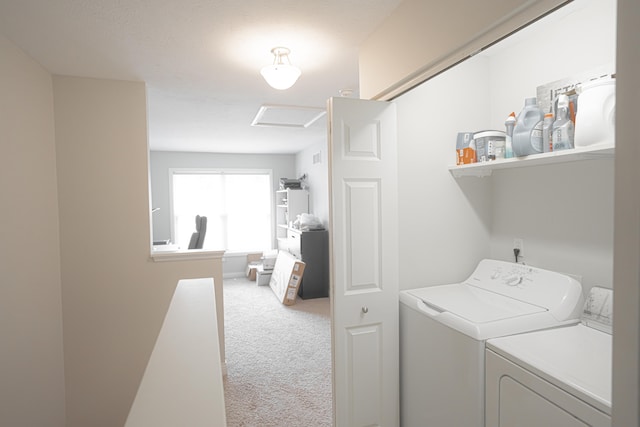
(253, 261)
(263, 277)
(269, 259)
(254, 257)
(286, 277)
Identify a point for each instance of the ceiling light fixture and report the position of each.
(281, 74)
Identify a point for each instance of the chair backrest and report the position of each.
(197, 238)
(202, 232)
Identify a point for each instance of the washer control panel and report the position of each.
(508, 275)
(556, 292)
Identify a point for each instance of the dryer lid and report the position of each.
(474, 304)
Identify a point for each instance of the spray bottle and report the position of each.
(509, 124)
(563, 128)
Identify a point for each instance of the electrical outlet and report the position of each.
(519, 244)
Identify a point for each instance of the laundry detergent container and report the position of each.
(595, 119)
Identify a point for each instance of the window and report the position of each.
(237, 205)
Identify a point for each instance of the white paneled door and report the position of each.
(364, 261)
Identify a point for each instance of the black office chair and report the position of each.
(197, 238)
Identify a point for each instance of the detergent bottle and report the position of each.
(527, 133)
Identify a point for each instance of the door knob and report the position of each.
(365, 310)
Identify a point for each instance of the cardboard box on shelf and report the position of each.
(286, 277)
(465, 150)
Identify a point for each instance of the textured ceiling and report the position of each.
(201, 59)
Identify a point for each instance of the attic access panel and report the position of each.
(292, 116)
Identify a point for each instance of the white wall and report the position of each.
(579, 37)
(444, 223)
(317, 179)
(564, 213)
(115, 297)
(31, 356)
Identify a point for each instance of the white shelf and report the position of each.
(576, 154)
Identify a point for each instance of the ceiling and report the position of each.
(200, 59)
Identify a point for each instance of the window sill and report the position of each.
(185, 255)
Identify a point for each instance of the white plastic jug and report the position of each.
(527, 134)
(595, 119)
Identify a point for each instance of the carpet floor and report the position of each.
(278, 358)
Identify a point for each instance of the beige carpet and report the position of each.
(278, 358)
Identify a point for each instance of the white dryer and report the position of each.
(555, 378)
(443, 330)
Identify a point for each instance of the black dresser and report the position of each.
(311, 247)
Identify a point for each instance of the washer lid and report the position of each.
(474, 304)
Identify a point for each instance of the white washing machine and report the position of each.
(555, 378)
(443, 330)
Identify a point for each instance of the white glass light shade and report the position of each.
(281, 74)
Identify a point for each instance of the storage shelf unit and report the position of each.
(576, 154)
(311, 247)
(289, 204)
